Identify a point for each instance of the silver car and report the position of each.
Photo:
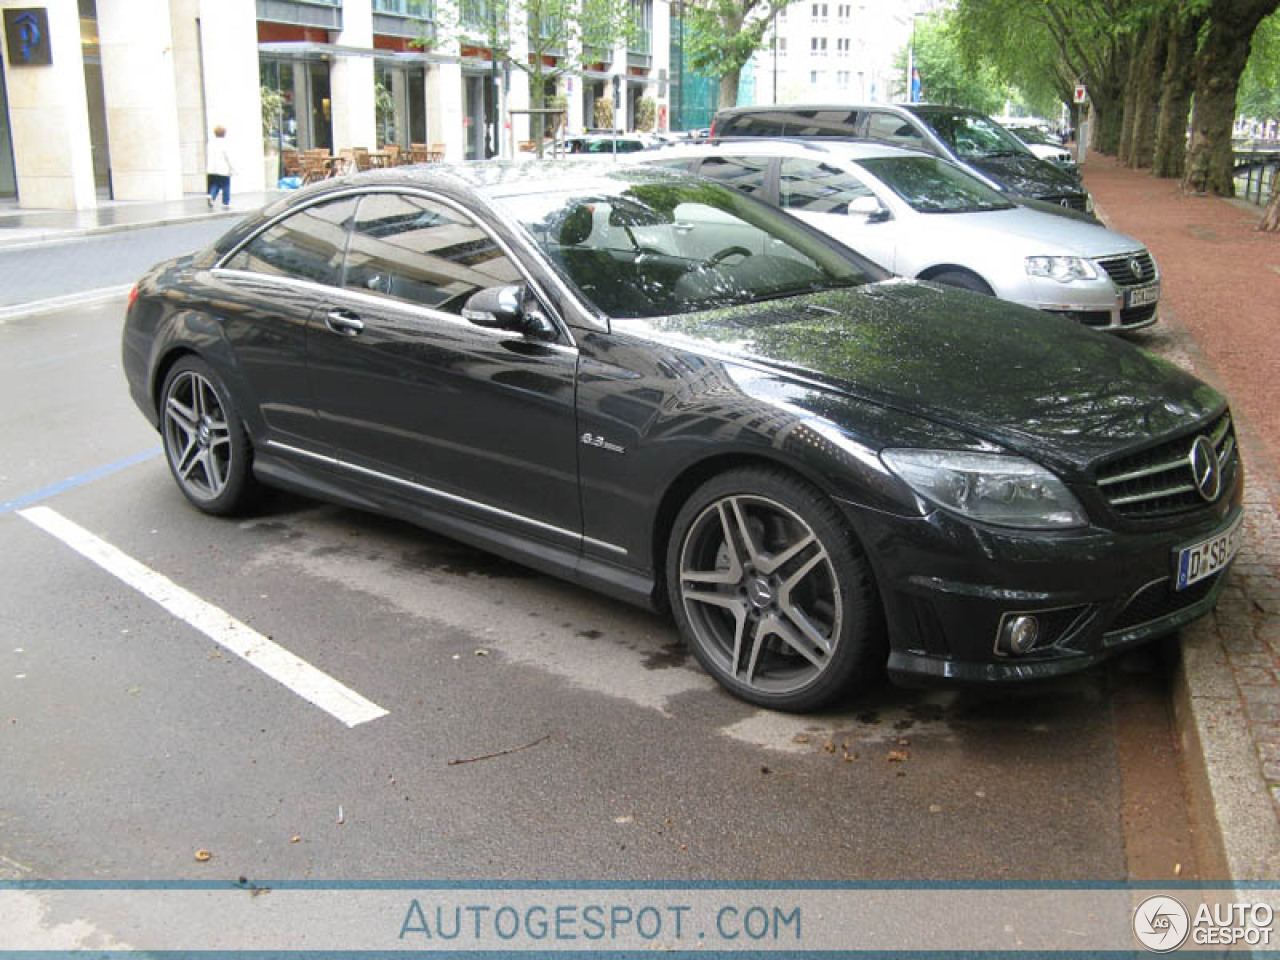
(922, 217)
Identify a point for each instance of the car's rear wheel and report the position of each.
(964, 280)
(772, 591)
(205, 440)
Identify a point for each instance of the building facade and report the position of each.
(837, 51)
(126, 99)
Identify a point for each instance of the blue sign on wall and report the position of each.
(27, 31)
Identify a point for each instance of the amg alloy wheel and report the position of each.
(204, 440)
(771, 590)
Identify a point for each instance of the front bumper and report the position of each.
(949, 586)
(1099, 304)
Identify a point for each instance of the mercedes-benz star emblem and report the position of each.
(1136, 266)
(1204, 468)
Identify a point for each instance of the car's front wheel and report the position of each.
(205, 440)
(772, 591)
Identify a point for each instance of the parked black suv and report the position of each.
(965, 137)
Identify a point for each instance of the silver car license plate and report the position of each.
(1207, 557)
(1142, 296)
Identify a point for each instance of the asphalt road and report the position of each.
(55, 269)
(129, 739)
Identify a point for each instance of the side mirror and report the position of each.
(504, 308)
(868, 206)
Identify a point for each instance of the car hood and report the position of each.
(1033, 383)
(1034, 232)
(1027, 176)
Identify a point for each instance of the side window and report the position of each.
(308, 245)
(743, 173)
(817, 187)
(413, 249)
(753, 125)
(886, 126)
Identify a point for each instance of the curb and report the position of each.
(1236, 835)
(79, 233)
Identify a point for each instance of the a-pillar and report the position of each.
(136, 41)
(49, 118)
(232, 96)
(351, 80)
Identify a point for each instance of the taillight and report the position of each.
(711, 134)
(133, 295)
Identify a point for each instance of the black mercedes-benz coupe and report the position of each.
(668, 391)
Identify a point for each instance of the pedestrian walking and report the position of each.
(219, 167)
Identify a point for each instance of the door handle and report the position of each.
(346, 324)
(681, 227)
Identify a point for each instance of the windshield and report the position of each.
(651, 243)
(931, 185)
(1034, 135)
(972, 135)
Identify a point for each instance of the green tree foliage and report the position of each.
(945, 75)
(1259, 97)
(721, 35)
(1034, 44)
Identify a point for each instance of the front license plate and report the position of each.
(1207, 557)
(1142, 296)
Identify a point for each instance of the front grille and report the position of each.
(1132, 315)
(1121, 271)
(1158, 482)
(1160, 600)
(1073, 202)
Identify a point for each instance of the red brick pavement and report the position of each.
(1220, 315)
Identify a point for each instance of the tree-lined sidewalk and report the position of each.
(1221, 283)
(1152, 67)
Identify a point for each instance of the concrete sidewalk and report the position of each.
(19, 227)
(1221, 283)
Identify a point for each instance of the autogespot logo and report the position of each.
(1161, 924)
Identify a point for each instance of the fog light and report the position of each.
(1021, 634)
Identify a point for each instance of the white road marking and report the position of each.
(313, 685)
(32, 307)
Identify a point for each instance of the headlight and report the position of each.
(1062, 269)
(994, 488)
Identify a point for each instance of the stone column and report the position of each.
(49, 118)
(142, 106)
(232, 98)
(185, 19)
(351, 80)
(444, 92)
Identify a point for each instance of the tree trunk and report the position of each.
(1175, 97)
(1108, 117)
(1125, 147)
(729, 89)
(1271, 218)
(1147, 97)
(1218, 66)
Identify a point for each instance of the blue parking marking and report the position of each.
(79, 480)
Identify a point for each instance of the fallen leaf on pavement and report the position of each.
(202, 855)
(897, 756)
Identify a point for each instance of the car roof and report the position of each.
(852, 149)
(892, 107)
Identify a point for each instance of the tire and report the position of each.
(964, 280)
(772, 591)
(205, 441)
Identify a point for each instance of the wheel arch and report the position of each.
(938, 269)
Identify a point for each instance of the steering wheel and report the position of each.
(728, 252)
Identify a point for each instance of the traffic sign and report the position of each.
(1081, 93)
